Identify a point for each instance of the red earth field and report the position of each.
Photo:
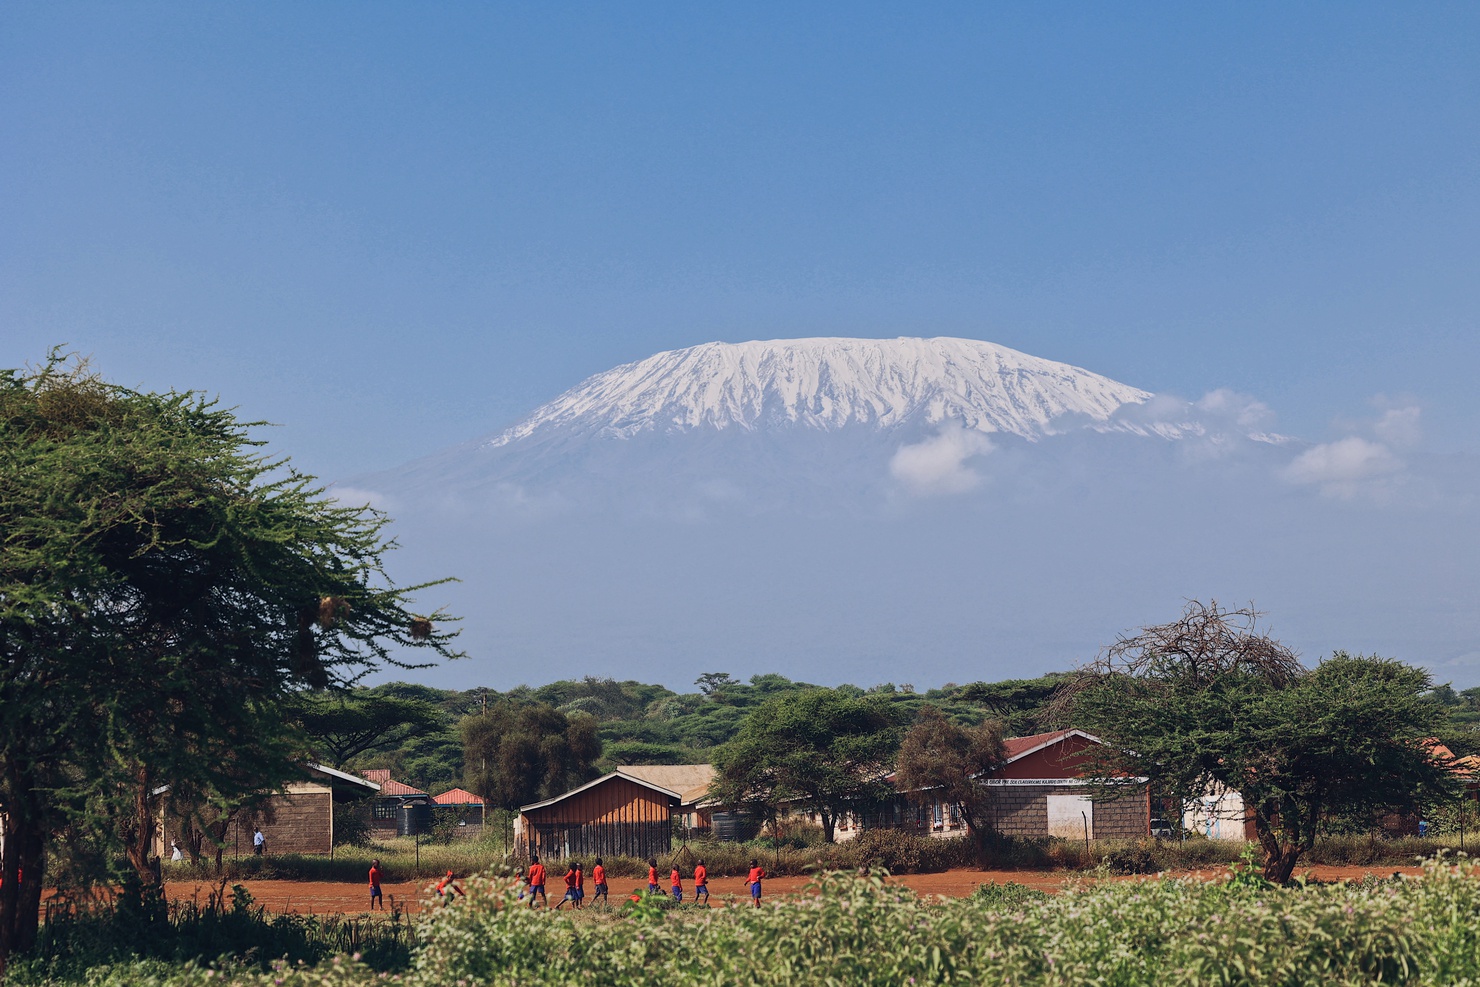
(339, 898)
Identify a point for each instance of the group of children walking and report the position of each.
(533, 883)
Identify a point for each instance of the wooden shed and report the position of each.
(617, 814)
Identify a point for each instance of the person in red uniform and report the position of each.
(446, 887)
(572, 887)
(757, 872)
(701, 883)
(537, 881)
(598, 882)
(375, 896)
(677, 880)
(653, 875)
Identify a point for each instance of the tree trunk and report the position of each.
(21, 875)
(1280, 855)
(829, 826)
(139, 839)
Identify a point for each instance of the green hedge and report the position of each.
(1170, 933)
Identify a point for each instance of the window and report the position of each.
(383, 809)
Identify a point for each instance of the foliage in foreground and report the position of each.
(162, 937)
(862, 931)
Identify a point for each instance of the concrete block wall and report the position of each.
(1123, 818)
(1022, 810)
(302, 822)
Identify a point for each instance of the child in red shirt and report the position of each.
(653, 876)
(446, 887)
(572, 887)
(537, 881)
(701, 883)
(598, 879)
(677, 885)
(375, 896)
(754, 880)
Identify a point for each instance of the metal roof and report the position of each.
(675, 796)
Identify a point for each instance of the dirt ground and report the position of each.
(339, 898)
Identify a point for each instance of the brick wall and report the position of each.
(1021, 810)
(300, 823)
(1125, 817)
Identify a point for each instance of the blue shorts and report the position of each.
(678, 894)
(535, 889)
(652, 888)
(755, 889)
(571, 894)
(600, 888)
(374, 891)
(701, 889)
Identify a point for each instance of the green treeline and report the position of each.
(643, 723)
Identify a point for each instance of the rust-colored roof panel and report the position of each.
(390, 787)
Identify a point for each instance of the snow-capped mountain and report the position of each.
(868, 510)
(832, 383)
(774, 424)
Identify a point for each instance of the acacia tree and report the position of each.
(1210, 702)
(826, 751)
(343, 725)
(518, 753)
(941, 760)
(164, 590)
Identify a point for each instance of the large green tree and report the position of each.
(516, 753)
(820, 749)
(1209, 702)
(165, 588)
(944, 761)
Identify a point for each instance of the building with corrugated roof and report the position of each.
(632, 811)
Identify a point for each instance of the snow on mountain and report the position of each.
(830, 383)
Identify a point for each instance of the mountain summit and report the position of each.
(831, 383)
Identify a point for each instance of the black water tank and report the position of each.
(414, 818)
(735, 827)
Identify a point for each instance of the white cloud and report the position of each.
(938, 465)
(1216, 425)
(1400, 426)
(1243, 410)
(1344, 467)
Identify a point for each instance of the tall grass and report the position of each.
(228, 927)
(893, 850)
(1176, 933)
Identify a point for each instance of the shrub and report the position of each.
(1009, 895)
(1176, 933)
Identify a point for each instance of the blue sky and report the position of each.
(393, 227)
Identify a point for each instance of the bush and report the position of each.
(352, 825)
(228, 927)
(900, 852)
(1176, 933)
(1132, 858)
(1009, 895)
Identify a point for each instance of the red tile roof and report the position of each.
(377, 775)
(457, 796)
(389, 787)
